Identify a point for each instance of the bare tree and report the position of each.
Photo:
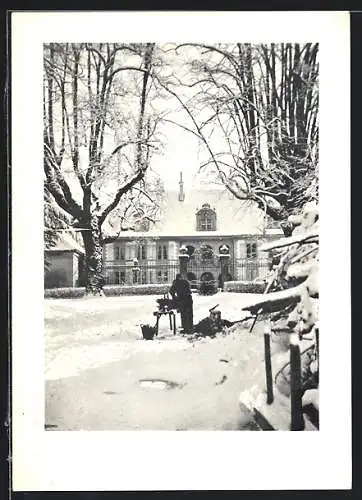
(98, 136)
(255, 110)
(138, 209)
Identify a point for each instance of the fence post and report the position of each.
(183, 260)
(268, 366)
(297, 420)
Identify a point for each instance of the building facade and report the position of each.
(209, 224)
(65, 266)
(65, 260)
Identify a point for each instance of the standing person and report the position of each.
(182, 291)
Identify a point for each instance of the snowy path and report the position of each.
(96, 358)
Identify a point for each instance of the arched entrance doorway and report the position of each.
(207, 276)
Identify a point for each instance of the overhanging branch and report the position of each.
(124, 189)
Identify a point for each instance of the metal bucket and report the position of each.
(148, 332)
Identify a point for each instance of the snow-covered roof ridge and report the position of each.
(233, 216)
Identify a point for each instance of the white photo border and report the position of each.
(215, 460)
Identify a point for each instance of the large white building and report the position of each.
(203, 221)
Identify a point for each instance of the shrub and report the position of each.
(55, 278)
(109, 291)
(207, 288)
(155, 289)
(64, 293)
(244, 286)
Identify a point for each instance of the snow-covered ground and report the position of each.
(96, 359)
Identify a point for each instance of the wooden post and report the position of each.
(297, 420)
(157, 322)
(268, 366)
(174, 323)
(170, 319)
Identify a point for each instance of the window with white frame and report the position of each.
(251, 250)
(206, 218)
(139, 276)
(162, 253)
(119, 252)
(141, 252)
(120, 277)
(162, 276)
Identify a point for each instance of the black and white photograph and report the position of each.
(181, 197)
(180, 218)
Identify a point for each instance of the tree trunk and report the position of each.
(93, 258)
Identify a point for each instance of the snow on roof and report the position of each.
(178, 218)
(66, 243)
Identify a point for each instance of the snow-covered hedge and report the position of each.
(155, 289)
(64, 293)
(244, 286)
(293, 299)
(109, 291)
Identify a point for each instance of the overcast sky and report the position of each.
(181, 150)
(181, 153)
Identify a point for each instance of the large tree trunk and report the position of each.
(93, 258)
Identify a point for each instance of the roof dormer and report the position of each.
(206, 218)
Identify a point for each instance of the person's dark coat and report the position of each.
(181, 290)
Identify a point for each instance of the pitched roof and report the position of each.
(66, 243)
(233, 216)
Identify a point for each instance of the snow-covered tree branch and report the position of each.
(261, 103)
(86, 131)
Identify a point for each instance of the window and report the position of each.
(119, 252)
(162, 252)
(251, 250)
(135, 276)
(141, 252)
(139, 276)
(120, 277)
(206, 218)
(206, 224)
(272, 224)
(142, 225)
(162, 276)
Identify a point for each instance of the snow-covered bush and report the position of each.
(64, 293)
(109, 291)
(150, 289)
(292, 298)
(244, 287)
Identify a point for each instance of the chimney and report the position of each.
(181, 194)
